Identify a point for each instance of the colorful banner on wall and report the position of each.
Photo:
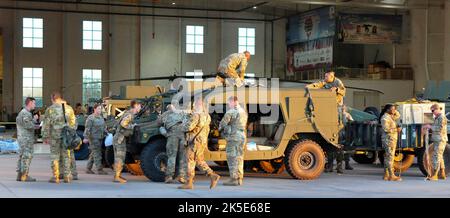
(309, 55)
(311, 25)
(370, 28)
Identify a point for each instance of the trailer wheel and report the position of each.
(368, 158)
(305, 160)
(154, 160)
(423, 161)
(402, 162)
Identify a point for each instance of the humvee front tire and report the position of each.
(154, 160)
(305, 160)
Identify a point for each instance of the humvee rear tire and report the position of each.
(154, 160)
(423, 163)
(402, 162)
(274, 166)
(368, 158)
(304, 160)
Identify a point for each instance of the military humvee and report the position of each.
(286, 125)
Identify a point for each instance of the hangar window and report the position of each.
(246, 40)
(32, 84)
(194, 39)
(33, 33)
(91, 89)
(196, 73)
(92, 35)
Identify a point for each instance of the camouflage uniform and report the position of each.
(233, 126)
(124, 129)
(340, 88)
(439, 139)
(25, 138)
(389, 140)
(95, 131)
(51, 130)
(234, 67)
(176, 142)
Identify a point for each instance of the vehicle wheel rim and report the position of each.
(306, 160)
(160, 162)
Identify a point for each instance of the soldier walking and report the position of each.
(439, 139)
(124, 129)
(51, 133)
(172, 121)
(94, 133)
(389, 140)
(233, 127)
(197, 140)
(25, 137)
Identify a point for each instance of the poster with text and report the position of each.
(311, 25)
(309, 55)
(370, 28)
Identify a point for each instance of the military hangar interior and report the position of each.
(384, 51)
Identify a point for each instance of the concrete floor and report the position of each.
(364, 181)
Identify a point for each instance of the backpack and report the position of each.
(70, 138)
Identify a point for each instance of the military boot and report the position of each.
(117, 177)
(232, 182)
(26, 178)
(434, 177)
(240, 181)
(19, 175)
(181, 180)
(189, 184)
(393, 177)
(214, 179)
(89, 171)
(56, 175)
(68, 179)
(339, 167)
(169, 180)
(347, 165)
(101, 172)
(75, 176)
(442, 174)
(386, 176)
(329, 167)
(54, 180)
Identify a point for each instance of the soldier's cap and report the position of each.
(435, 107)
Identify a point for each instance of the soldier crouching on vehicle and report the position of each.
(171, 124)
(124, 129)
(51, 133)
(94, 132)
(389, 140)
(197, 129)
(439, 139)
(25, 137)
(233, 127)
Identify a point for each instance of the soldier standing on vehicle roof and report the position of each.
(171, 121)
(94, 132)
(25, 137)
(51, 133)
(439, 139)
(124, 129)
(233, 127)
(389, 140)
(197, 128)
(233, 67)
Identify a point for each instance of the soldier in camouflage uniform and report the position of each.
(51, 132)
(124, 129)
(233, 68)
(73, 163)
(439, 139)
(334, 85)
(94, 133)
(25, 138)
(197, 139)
(233, 127)
(389, 140)
(172, 121)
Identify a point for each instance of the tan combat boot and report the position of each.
(434, 177)
(232, 182)
(442, 174)
(117, 177)
(67, 179)
(392, 176)
(189, 184)
(169, 180)
(89, 171)
(240, 181)
(26, 178)
(55, 178)
(214, 180)
(386, 175)
(181, 180)
(19, 175)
